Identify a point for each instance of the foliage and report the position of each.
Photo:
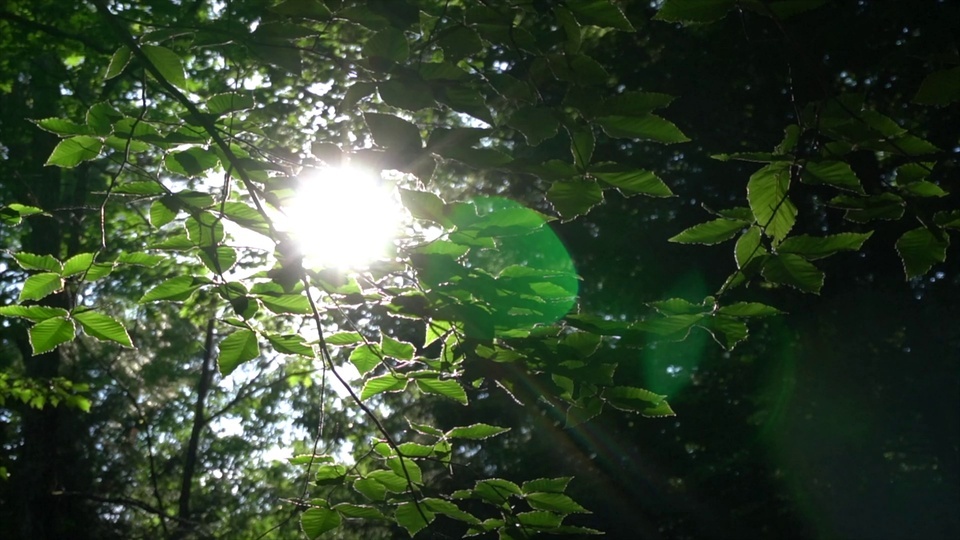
(198, 146)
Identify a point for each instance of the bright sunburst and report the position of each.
(342, 217)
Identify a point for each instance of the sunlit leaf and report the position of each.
(317, 521)
(39, 286)
(384, 383)
(835, 173)
(237, 348)
(554, 502)
(767, 194)
(103, 327)
(45, 263)
(446, 387)
(475, 431)
(711, 232)
(176, 289)
(794, 271)
(46, 335)
(818, 247)
(413, 518)
(572, 199)
(33, 313)
(71, 152)
(167, 63)
(366, 357)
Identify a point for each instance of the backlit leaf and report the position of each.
(30, 261)
(103, 327)
(709, 233)
(767, 194)
(167, 63)
(237, 348)
(475, 431)
(384, 383)
(176, 289)
(599, 13)
(412, 518)
(447, 387)
(39, 286)
(818, 247)
(572, 199)
(794, 271)
(366, 357)
(71, 152)
(34, 313)
(393, 132)
(632, 181)
(77, 264)
(554, 502)
(648, 127)
(46, 335)
(317, 521)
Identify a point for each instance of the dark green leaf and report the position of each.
(167, 63)
(647, 127)
(749, 309)
(46, 335)
(460, 42)
(401, 350)
(536, 123)
(62, 126)
(886, 206)
(547, 485)
(221, 104)
(834, 173)
(305, 9)
(694, 11)
(794, 271)
(388, 44)
(923, 188)
(635, 103)
(237, 348)
(631, 181)
(572, 199)
(410, 94)
(940, 87)
(920, 249)
(191, 162)
(118, 62)
(393, 132)
(599, 13)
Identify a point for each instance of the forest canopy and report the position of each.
(438, 268)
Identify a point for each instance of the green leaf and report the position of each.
(401, 350)
(749, 309)
(709, 233)
(539, 520)
(13, 213)
(834, 173)
(118, 62)
(629, 398)
(161, 212)
(191, 162)
(940, 87)
(885, 206)
(413, 519)
(599, 13)
(767, 194)
(221, 104)
(923, 188)
(459, 42)
(694, 11)
(290, 344)
(46, 335)
(306, 9)
(635, 103)
(139, 258)
(331, 475)
(34, 313)
(101, 117)
(554, 502)
(647, 127)
(45, 263)
(366, 357)
(582, 144)
(632, 181)
(818, 247)
(749, 251)
(411, 94)
(447, 387)
(39, 286)
(423, 205)
(948, 219)
(727, 331)
(237, 348)
(572, 199)
(496, 490)
(920, 249)
(296, 303)
(61, 126)
(381, 384)
(536, 123)
(343, 338)
(387, 44)
(103, 327)
(167, 63)
(371, 489)
(547, 485)
(77, 264)
(358, 511)
(176, 289)
(317, 521)
(475, 432)
(393, 132)
(794, 271)
(390, 480)
(71, 152)
(448, 509)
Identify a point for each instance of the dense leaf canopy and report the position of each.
(694, 254)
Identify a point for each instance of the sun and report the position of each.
(343, 217)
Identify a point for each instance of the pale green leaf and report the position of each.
(412, 518)
(176, 289)
(647, 127)
(475, 431)
(554, 502)
(221, 104)
(632, 181)
(694, 11)
(343, 338)
(77, 264)
(401, 350)
(46, 335)
(317, 521)
(103, 327)
(39, 286)
(384, 383)
(118, 62)
(237, 348)
(71, 152)
(749, 309)
(835, 173)
(767, 194)
(44, 263)
(818, 247)
(447, 387)
(366, 357)
(33, 313)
